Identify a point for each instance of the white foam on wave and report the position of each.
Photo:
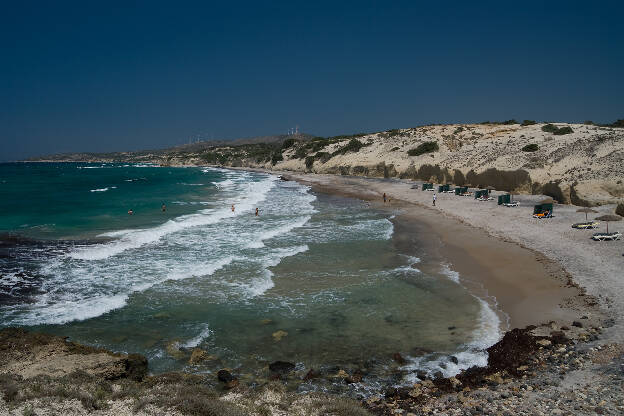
(451, 274)
(263, 283)
(61, 307)
(284, 229)
(103, 189)
(195, 341)
(473, 353)
(131, 239)
(223, 184)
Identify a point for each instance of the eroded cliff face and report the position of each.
(574, 163)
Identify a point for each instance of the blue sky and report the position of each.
(79, 76)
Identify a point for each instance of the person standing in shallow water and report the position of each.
(434, 199)
(232, 207)
(384, 196)
(163, 208)
(256, 212)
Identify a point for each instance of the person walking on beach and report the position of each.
(384, 196)
(434, 199)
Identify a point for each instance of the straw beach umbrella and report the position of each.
(586, 210)
(609, 217)
(548, 201)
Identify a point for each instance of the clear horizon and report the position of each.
(81, 77)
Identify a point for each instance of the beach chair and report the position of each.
(588, 225)
(545, 214)
(511, 204)
(607, 236)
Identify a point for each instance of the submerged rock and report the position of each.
(278, 335)
(198, 355)
(174, 350)
(225, 377)
(398, 358)
(281, 367)
(312, 374)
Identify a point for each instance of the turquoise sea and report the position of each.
(316, 280)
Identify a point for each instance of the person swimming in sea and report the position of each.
(164, 208)
(130, 212)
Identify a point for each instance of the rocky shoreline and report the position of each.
(542, 370)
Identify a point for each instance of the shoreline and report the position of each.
(524, 286)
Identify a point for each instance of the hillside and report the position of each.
(578, 163)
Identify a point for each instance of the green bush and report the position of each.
(288, 143)
(354, 145)
(277, 157)
(323, 156)
(309, 162)
(563, 130)
(426, 147)
(301, 152)
(549, 128)
(530, 148)
(528, 123)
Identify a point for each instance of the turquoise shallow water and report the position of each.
(314, 279)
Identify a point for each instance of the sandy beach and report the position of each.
(530, 267)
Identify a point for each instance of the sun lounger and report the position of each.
(585, 225)
(430, 189)
(545, 214)
(607, 236)
(511, 204)
(489, 198)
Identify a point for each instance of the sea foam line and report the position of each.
(487, 333)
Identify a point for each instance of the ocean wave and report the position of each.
(62, 306)
(103, 189)
(195, 341)
(131, 239)
(284, 229)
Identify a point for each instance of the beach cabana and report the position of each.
(444, 188)
(544, 208)
(458, 190)
(481, 193)
(426, 186)
(504, 199)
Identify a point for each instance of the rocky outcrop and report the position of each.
(30, 354)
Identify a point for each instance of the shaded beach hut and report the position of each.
(481, 193)
(504, 199)
(545, 205)
(426, 186)
(444, 188)
(458, 190)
